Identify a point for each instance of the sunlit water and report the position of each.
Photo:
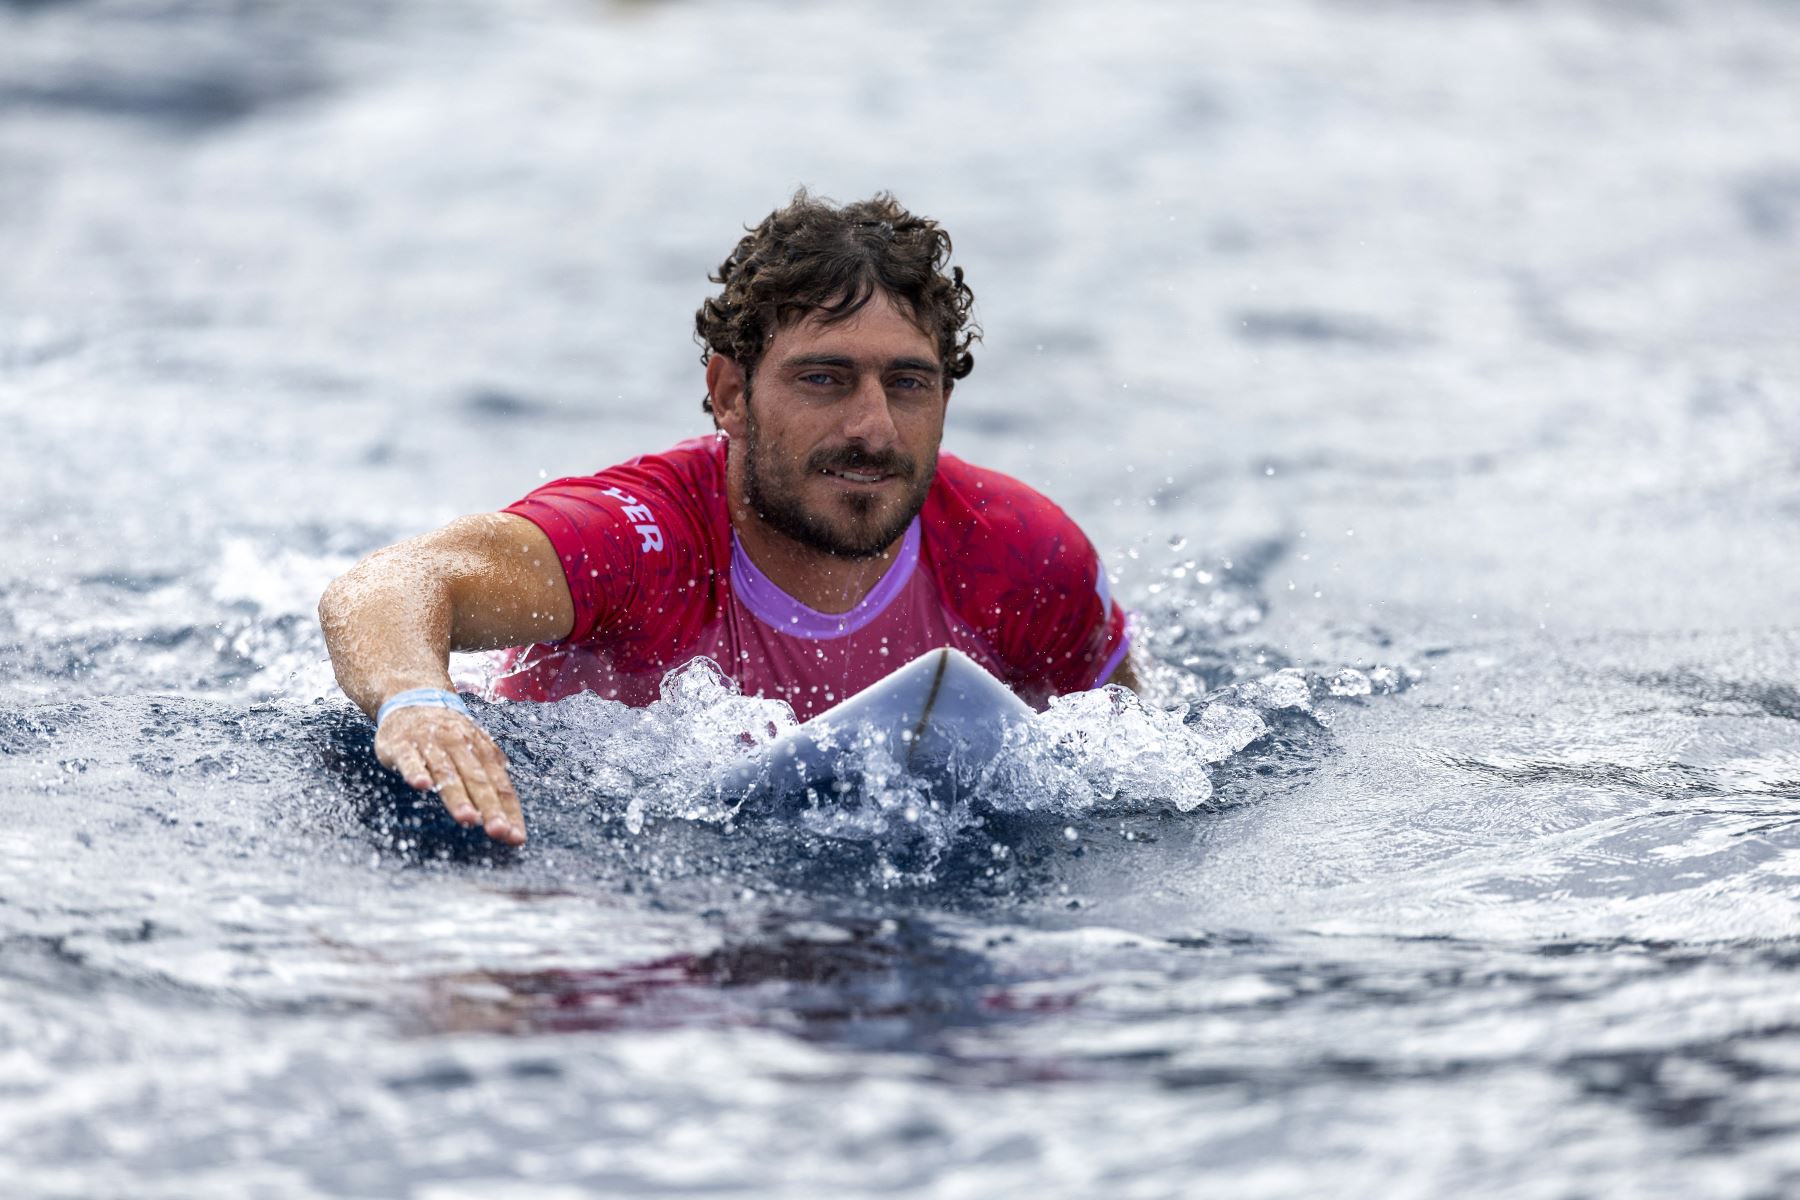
(1428, 373)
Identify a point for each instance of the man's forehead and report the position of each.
(881, 311)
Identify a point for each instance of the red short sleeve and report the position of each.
(637, 542)
(1021, 572)
(1073, 633)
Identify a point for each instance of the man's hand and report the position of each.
(436, 749)
(391, 621)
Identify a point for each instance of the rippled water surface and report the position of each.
(1428, 374)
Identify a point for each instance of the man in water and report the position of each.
(814, 543)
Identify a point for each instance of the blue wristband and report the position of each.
(421, 698)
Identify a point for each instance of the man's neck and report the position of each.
(823, 582)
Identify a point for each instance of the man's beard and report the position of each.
(776, 499)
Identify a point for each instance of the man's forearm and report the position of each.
(388, 628)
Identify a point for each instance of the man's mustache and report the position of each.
(850, 458)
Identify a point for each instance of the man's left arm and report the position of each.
(1124, 676)
(1075, 625)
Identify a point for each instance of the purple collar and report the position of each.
(781, 612)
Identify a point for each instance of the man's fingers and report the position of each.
(450, 754)
(411, 765)
(449, 785)
(495, 761)
(402, 754)
(482, 791)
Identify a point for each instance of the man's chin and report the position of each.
(861, 527)
(863, 539)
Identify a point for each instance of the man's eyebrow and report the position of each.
(914, 364)
(845, 361)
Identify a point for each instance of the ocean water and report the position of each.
(1428, 373)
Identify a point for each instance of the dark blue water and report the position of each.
(1428, 375)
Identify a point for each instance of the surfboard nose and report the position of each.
(936, 712)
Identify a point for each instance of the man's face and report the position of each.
(841, 426)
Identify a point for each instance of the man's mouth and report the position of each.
(856, 476)
(863, 470)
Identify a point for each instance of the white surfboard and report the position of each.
(938, 712)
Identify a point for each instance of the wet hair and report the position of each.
(815, 257)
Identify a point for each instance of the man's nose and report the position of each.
(869, 420)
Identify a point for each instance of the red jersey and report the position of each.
(658, 578)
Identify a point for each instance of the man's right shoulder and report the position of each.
(689, 470)
(684, 484)
(633, 535)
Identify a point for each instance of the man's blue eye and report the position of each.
(818, 377)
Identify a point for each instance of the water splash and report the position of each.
(1100, 753)
(1108, 750)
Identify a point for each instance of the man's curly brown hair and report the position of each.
(815, 257)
